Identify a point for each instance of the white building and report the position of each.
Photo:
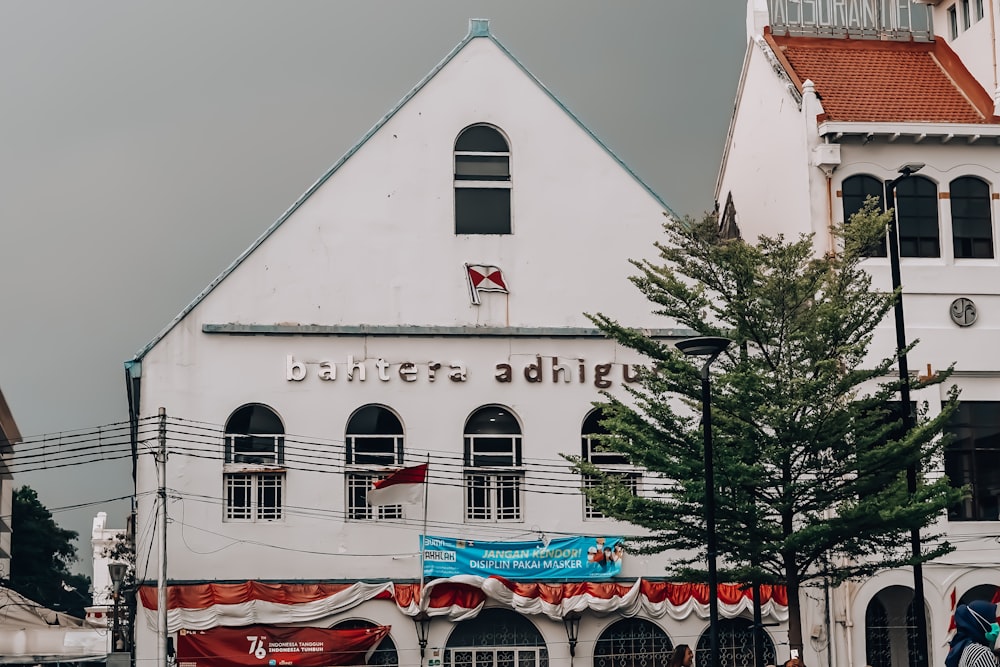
(9, 436)
(351, 339)
(834, 98)
(102, 540)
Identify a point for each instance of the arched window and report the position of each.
(917, 211)
(374, 447)
(736, 647)
(492, 459)
(633, 642)
(984, 592)
(855, 190)
(496, 638)
(971, 218)
(384, 654)
(254, 434)
(254, 451)
(611, 462)
(592, 449)
(890, 628)
(482, 182)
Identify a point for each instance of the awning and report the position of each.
(31, 633)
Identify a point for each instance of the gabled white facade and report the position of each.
(783, 171)
(359, 296)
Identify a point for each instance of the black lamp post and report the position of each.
(710, 347)
(422, 624)
(919, 605)
(117, 572)
(572, 623)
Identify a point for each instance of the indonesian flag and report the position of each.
(403, 486)
(484, 278)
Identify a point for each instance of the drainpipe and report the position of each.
(829, 212)
(848, 624)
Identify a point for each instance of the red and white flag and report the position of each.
(484, 278)
(406, 485)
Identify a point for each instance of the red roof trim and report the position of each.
(779, 53)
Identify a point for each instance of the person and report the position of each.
(682, 656)
(976, 633)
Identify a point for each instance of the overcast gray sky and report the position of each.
(145, 145)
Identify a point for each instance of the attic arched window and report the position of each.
(482, 181)
(971, 218)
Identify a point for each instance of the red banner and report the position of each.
(263, 645)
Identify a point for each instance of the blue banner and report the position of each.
(576, 558)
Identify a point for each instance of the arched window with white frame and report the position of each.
(493, 474)
(373, 450)
(253, 473)
(595, 451)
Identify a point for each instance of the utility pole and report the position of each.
(161, 580)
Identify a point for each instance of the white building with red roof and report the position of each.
(839, 100)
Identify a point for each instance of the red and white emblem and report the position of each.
(484, 278)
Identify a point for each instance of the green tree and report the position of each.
(41, 553)
(810, 458)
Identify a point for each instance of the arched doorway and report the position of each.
(496, 638)
(735, 645)
(385, 652)
(633, 642)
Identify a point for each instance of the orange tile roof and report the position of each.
(883, 81)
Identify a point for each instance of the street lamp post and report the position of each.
(710, 347)
(919, 605)
(117, 572)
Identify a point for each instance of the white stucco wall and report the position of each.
(376, 243)
(233, 371)
(975, 46)
(767, 155)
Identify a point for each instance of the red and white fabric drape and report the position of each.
(205, 606)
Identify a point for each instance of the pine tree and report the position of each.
(810, 456)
